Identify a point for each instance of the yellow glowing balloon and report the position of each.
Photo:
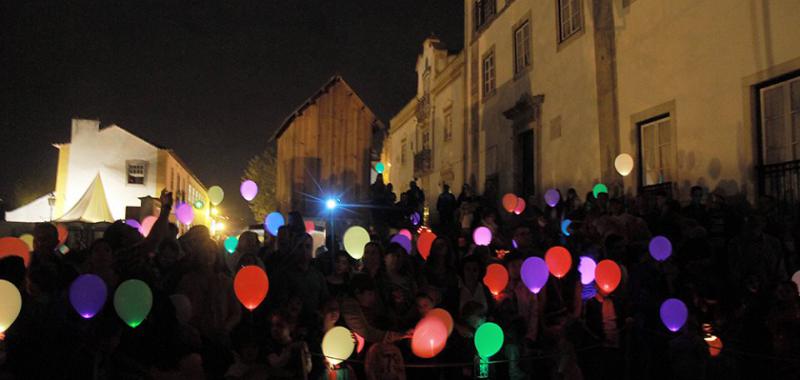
(337, 345)
(624, 164)
(28, 239)
(355, 238)
(10, 304)
(215, 195)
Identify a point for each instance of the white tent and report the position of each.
(34, 212)
(92, 207)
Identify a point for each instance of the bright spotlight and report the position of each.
(330, 204)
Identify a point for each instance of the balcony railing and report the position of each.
(780, 181)
(423, 162)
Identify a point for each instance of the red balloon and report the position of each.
(251, 286)
(510, 202)
(11, 246)
(496, 278)
(558, 261)
(444, 316)
(63, 233)
(430, 337)
(424, 243)
(359, 342)
(607, 276)
(309, 226)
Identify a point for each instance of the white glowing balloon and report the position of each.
(624, 164)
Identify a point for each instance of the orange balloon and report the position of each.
(359, 342)
(558, 261)
(607, 275)
(251, 286)
(11, 246)
(444, 316)
(430, 337)
(424, 243)
(63, 233)
(714, 345)
(510, 202)
(496, 278)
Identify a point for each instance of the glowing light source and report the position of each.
(551, 197)
(184, 213)
(496, 278)
(249, 190)
(624, 164)
(405, 233)
(534, 274)
(133, 301)
(510, 202)
(215, 195)
(11, 246)
(558, 260)
(231, 243)
(660, 248)
(424, 243)
(488, 339)
(147, 225)
(430, 337)
(607, 276)
(251, 285)
(586, 267)
(482, 236)
(337, 345)
(714, 345)
(133, 223)
(273, 222)
(198, 204)
(415, 218)
(10, 304)
(673, 314)
(565, 226)
(355, 238)
(599, 189)
(444, 316)
(379, 167)
(403, 241)
(520, 206)
(331, 204)
(87, 294)
(63, 233)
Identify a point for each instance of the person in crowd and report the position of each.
(446, 206)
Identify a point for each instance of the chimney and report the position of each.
(83, 127)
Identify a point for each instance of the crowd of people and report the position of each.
(731, 264)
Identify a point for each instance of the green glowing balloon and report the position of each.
(198, 204)
(215, 195)
(599, 189)
(230, 244)
(488, 339)
(133, 300)
(379, 167)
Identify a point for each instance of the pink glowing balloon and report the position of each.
(586, 267)
(147, 225)
(520, 206)
(310, 226)
(482, 236)
(406, 233)
(249, 190)
(185, 213)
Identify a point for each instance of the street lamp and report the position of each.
(51, 200)
(331, 204)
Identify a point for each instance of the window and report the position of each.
(484, 10)
(136, 172)
(488, 74)
(403, 148)
(522, 47)
(657, 157)
(570, 19)
(448, 125)
(780, 121)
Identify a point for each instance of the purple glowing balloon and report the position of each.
(551, 197)
(673, 314)
(415, 218)
(249, 190)
(133, 223)
(586, 268)
(482, 236)
(514, 244)
(403, 240)
(184, 213)
(87, 294)
(660, 248)
(534, 274)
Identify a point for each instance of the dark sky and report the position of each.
(210, 81)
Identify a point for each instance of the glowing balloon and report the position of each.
(714, 345)
(133, 300)
(184, 213)
(359, 342)
(424, 243)
(673, 314)
(660, 248)
(565, 227)
(215, 195)
(624, 164)
(551, 197)
(599, 189)
(251, 285)
(337, 345)
(520, 206)
(231, 243)
(403, 241)
(444, 316)
(488, 339)
(355, 238)
(558, 261)
(11, 246)
(430, 337)
(147, 225)
(510, 202)
(482, 236)
(63, 249)
(249, 190)
(534, 274)
(496, 278)
(415, 219)
(310, 226)
(379, 167)
(133, 223)
(87, 294)
(10, 304)
(607, 276)
(273, 222)
(405, 233)
(28, 239)
(586, 267)
(198, 204)
(63, 233)
(796, 280)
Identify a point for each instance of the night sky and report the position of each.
(210, 81)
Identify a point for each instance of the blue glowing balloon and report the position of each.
(534, 273)
(379, 167)
(660, 248)
(565, 226)
(415, 219)
(403, 240)
(551, 197)
(674, 314)
(87, 294)
(133, 223)
(273, 222)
